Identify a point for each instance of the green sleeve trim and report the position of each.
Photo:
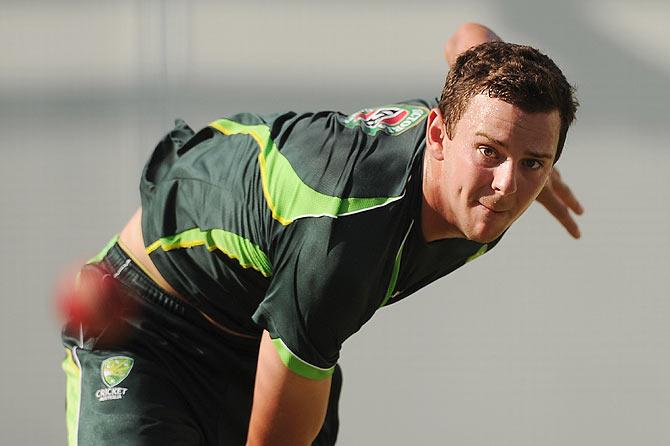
(285, 193)
(72, 396)
(234, 246)
(297, 365)
(101, 255)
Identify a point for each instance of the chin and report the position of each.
(483, 239)
(484, 234)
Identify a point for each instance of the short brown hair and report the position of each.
(517, 74)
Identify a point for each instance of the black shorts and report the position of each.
(172, 379)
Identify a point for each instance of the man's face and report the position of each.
(497, 162)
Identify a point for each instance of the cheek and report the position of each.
(468, 181)
(531, 189)
(479, 181)
(541, 182)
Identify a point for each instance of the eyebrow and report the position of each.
(540, 155)
(492, 139)
(531, 153)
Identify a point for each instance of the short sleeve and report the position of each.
(325, 286)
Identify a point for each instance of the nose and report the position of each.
(504, 178)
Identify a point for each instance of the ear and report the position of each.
(436, 133)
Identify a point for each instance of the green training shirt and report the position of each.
(300, 224)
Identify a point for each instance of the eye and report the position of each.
(533, 164)
(488, 152)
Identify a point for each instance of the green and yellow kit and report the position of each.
(302, 224)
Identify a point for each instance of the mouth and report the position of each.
(492, 210)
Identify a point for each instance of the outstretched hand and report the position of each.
(559, 201)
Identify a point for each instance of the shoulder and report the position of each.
(390, 119)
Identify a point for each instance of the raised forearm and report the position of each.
(465, 37)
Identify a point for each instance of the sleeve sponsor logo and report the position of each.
(390, 119)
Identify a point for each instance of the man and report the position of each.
(264, 242)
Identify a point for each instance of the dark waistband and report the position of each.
(130, 274)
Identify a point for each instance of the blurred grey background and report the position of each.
(545, 341)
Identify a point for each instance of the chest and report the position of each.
(419, 263)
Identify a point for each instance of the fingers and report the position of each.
(559, 210)
(565, 194)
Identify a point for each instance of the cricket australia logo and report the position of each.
(113, 371)
(391, 119)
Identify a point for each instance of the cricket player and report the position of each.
(263, 242)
